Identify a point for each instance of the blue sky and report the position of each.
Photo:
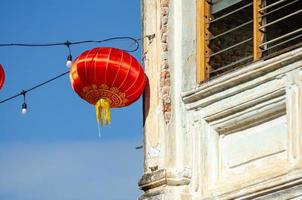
(53, 152)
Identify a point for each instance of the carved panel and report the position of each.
(256, 148)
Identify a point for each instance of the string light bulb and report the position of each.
(69, 57)
(24, 106)
(69, 61)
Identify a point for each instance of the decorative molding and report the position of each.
(294, 110)
(205, 94)
(249, 102)
(268, 186)
(250, 115)
(170, 177)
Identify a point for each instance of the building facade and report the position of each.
(223, 108)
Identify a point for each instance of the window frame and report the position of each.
(203, 35)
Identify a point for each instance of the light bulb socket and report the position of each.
(69, 57)
(24, 106)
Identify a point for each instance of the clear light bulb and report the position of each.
(68, 63)
(24, 111)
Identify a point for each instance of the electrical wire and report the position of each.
(68, 43)
(23, 92)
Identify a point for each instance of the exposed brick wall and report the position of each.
(165, 81)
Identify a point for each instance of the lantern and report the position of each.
(2, 76)
(107, 78)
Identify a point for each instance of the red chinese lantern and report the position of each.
(2, 76)
(107, 78)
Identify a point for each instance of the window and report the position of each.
(234, 33)
(283, 26)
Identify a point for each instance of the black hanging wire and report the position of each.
(68, 44)
(33, 88)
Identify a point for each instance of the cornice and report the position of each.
(170, 177)
(247, 77)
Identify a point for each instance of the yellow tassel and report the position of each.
(103, 111)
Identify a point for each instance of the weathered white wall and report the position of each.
(250, 132)
(237, 136)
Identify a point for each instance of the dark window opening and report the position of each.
(283, 26)
(231, 41)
